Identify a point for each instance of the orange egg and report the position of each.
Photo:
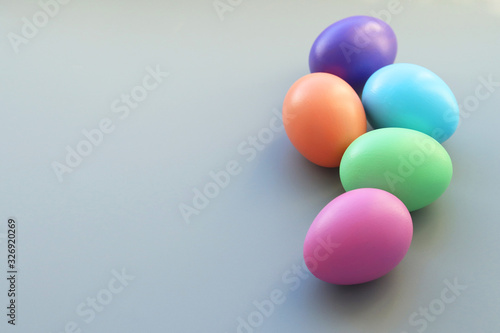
(322, 115)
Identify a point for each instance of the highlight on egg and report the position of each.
(358, 237)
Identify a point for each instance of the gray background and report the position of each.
(119, 209)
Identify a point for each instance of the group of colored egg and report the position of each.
(398, 167)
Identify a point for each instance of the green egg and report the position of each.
(407, 163)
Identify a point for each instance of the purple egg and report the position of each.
(353, 49)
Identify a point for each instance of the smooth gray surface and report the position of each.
(119, 209)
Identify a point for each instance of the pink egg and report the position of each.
(358, 237)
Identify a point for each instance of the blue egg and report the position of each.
(411, 96)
